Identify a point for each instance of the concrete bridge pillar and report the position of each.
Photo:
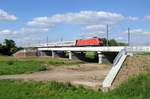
(53, 54)
(24, 52)
(70, 55)
(100, 57)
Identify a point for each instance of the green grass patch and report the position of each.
(11, 65)
(144, 53)
(19, 66)
(135, 88)
(90, 55)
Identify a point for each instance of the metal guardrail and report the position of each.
(138, 49)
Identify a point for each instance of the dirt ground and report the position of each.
(88, 75)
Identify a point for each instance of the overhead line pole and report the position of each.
(107, 36)
(47, 40)
(129, 36)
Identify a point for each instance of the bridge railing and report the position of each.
(138, 49)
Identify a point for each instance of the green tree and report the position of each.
(104, 41)
(1, 46)
(9, 47)
(113, 42)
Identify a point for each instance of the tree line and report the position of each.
(113, 42)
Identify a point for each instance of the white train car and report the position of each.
(54, 44)
(61, 44)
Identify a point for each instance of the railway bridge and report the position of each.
(123, 52)
(71, 50)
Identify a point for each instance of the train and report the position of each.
(89, 42)
(95, 41)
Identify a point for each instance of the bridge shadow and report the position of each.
(82, 56)
(61, 54)
(110, 56)
(44, 53)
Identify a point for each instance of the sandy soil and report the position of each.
(89, 74)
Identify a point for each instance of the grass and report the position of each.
(19, 67)
(135, 88)
(62, 63)
(11, 65)
(144, 53)
(90, 55)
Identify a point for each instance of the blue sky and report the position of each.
(31, 21)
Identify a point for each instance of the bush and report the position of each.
(43, 68)
(11, 62)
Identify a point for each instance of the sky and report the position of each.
(33, 21)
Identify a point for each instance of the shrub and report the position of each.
(43, 68)
(11, 62)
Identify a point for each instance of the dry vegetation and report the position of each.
(134, 65)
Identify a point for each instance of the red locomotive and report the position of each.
(89, 42)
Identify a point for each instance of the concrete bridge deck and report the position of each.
(101, 49)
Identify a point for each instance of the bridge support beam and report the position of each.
(100, 57)
(53, 54)
(70, 55)
(24, 52)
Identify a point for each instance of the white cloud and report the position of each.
(95, 27)
(147, 17)
(120, 38)
(94, 31)
(130, 18)
(23, 35)
(91, 34)
(6, 31)
(4, 16)
(83, 17)
(138, 32)
(93, 22)
(23, 31)
(42, 21)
